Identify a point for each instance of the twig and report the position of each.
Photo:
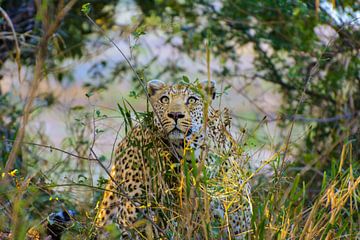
(240, 91)
(330, 148)
(102, 165)
(17, 47)
(312, 72)
(121, 52)
(324, 120)
(92, 146)
(301, 118)
(114, 143)
(54, 148)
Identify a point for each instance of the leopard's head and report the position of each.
(180, 107)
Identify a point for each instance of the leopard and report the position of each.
(185, 129)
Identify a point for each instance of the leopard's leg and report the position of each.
(217, 217)
(119, 210)
(108, 208)
(232, 212)
(135, 221)
(240, 213)
(240, 221)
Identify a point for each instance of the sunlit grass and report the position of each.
(285, 206)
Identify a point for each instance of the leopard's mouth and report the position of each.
(176, 130)
(178, 133)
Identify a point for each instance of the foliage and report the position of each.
(281, 207)
(10, 109)
(284, 209)
(70, 39)
(289, 52)
(315, 197)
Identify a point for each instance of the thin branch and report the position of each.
(38, 75)
(308, 78)
(54, 148)
(59, 17)
(241, 92)
(102, 165)
(301, 118)
(114, 143)
(336, 118)
(171, 146)
(17, 47)
(266, 61)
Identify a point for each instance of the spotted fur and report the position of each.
(142, 171)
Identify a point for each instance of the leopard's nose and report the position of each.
(176, 115)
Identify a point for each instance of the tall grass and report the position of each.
(291, 208)
(296, 202)
(289, 205)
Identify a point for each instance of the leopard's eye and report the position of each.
(192, 100)
(164, 99)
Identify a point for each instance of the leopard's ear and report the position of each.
(209, 88)
(155, 85)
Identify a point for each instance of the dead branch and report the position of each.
(38, 75)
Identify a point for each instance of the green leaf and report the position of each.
(102, 181)
(323, 185)
(139, 31)
(133, 94)
(89, 94)
(227, 87)
(186, 79)
(77, 108)
(85, 8)
(293, 196)
(97, 131)
(82, 178)
(127, 114)
(102, 158)
(137, 115)
(122, 112)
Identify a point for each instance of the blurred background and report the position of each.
(287, 70)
